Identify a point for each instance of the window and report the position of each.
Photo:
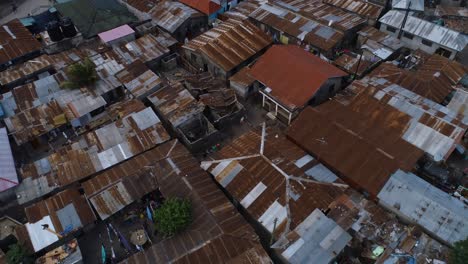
(408, 35)
(391, 29)
(426, 42)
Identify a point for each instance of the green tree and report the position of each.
(459, 253)
(17, 254)
(81, 74)
(173, 216)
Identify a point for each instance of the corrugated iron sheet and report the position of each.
(451, 11)
(176, 104)
(427, 30)
(371, 33)
(433, 128)
(138, 129)
(295, 25)
(52, 206)
(363, 8)
(139, 79)
(230, 43)
(243, 77)
(207, 7)
(170, 15)
(262, 181)
(216, 228)
(16, 41)
(360, 142)
(145, 48)
(434, 78)
(435, 210)
(325, 14)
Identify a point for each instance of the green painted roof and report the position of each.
(92, 17)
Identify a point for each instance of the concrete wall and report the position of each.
(416, 42)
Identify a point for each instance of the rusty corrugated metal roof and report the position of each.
(176, 104)
(363, 8)
(433, 128)
(361, 141)
(170, 15)
(325, 14)
(434, 78)
(243, 77)
(350, 62)
(145, 48)
(51, 206)
(137, 129)
(217, 227)
(272, 178)
(302, 28)
(230, 43)
(451, 11)
(389, 41)
(293, 74)
(139, 79)
(16, 41)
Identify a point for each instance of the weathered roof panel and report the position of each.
(170, 15)
(8, 176)
(433, 209)
(230, 43)
(441, 35)
(16, 41)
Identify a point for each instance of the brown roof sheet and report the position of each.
(325, 14)
(176, 104)
(299, 77)
(145, 48)
(363, 8)
(136, 129)
(460, 25)
(276, 177)
(35, 121)
(372, 33)
(230, 43)
(297, 26)
(50, 206)
(451, 11)
(138, 78)
(434, 78)
(243, 77)
(16, 41)
(170, 15)
(361, 141)
(350, 62)
(216, 228)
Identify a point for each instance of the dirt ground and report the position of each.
(23, 8)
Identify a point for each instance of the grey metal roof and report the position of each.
(441, 35)
(433, 209)
(320, 240)
(8, 176)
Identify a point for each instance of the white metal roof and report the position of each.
(441, 35)
(8, 176)
(39, 237)
(433, 209)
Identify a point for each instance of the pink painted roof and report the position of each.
(8, 176)
(116, 33)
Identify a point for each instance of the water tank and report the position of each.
(53, 28)
(68, 28)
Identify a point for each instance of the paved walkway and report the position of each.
(24, 7)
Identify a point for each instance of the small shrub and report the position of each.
(173, 216)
